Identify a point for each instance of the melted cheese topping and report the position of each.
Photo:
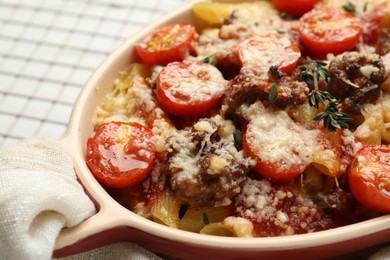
(361, 7)
(184, 159)
(198, 82)
(253, 56)
(187, 162)
(131, 100)
(277, 139)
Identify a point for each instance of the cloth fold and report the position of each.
(39, 195)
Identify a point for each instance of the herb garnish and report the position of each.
(316, 68)
(182, 211)
(333, 119)
(350, 8)
(365, 7)
(238, 136)
(206, 220)
(284, 15)
(273, 92)
(208, 59)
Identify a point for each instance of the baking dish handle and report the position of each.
(78, 239)
(91, 232)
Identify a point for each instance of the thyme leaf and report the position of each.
(365, 7)
(238, 136)
(208, 59)
(273, 92)
(284, 15)
(350, 8)
(206, 220)
(182, 211)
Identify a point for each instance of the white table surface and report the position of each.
(48, 50)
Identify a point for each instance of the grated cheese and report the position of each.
(368, 70)
(277, 139)
(241, 227)
(197, 84)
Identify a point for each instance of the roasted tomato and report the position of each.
(279, 146)
(189, 88)
(328, 30)
(371, 23)
(369, 177)
(269, 50)
(294, 8)
(121, 154)
(167, 44)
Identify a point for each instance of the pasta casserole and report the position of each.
(273, 120)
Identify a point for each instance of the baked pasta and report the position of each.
(272, 121)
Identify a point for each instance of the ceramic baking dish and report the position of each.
(114, 223)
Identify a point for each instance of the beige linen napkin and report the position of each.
(40, 195)
(382, 254)
(117, 251)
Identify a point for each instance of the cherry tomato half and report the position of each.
(167, 43)
(328, 30)
(294, 8)
(369, 177)
(121, 154)
(189, 88)
(269, 50)
(277, 159)
(370, 23)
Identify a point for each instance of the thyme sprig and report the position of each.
(333, 118)
(312, 72)
(317, 96)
